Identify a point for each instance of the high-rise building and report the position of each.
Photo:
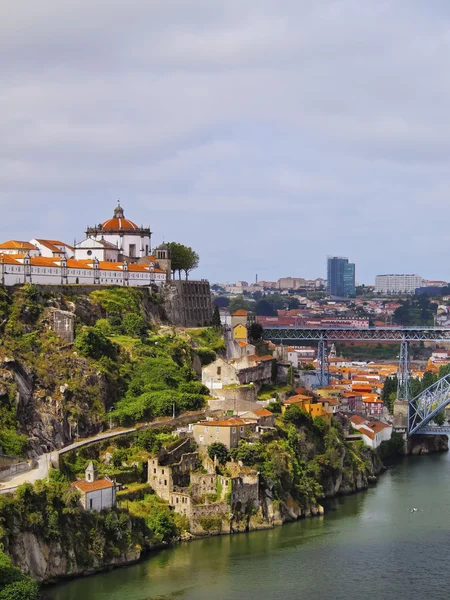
(397, 284)
(341, 277)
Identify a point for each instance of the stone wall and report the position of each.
(20, 467)
(202, 484)
(244, 492)
(244, 396)
(188, 303)
(220, 511)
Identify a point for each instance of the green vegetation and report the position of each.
(368, 351)
(415, 312)
(163, 523)
(267, 392)
(219, 451)
(13, 584)
(183, 258)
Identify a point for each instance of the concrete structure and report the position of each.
(188, 303)
(244, 370)
(397, 284)
(341, 277)
(228, 431)
(96, 494)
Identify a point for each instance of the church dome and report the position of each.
(118, 222)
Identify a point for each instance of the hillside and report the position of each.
(112, 353)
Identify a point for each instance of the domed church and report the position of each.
(131, 241)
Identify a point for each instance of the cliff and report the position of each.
(69, 355)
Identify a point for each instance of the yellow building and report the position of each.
(240, 333)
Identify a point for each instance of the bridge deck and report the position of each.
(288, 335)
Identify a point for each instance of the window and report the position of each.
(234, 430)
(219, 370)
(217, 430)
(132, 250)
(242, 430)
(89, 252)
(154, 470)
(162, 471)
(206, 429)
(91, 502)
(201, 438)
(165, 481)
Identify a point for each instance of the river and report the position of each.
(368, 545)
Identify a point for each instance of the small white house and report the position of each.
(96, 494)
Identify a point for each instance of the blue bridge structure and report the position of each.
(421, 410)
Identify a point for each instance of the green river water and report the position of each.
(368, 545)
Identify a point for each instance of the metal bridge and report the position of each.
(423, 408)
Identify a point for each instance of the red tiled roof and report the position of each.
(357, 420)
(240, 313)
(263, 412)
(93, 486)
(116, 223)
(224, 423)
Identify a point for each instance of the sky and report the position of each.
(265, 134)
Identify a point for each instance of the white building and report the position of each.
(18, 270)
(130, 240)
(96, 494)
(116, 252)
(372, 432)
(397, 284)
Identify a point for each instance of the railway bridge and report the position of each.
(421, 410)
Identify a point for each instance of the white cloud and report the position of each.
(264, 134)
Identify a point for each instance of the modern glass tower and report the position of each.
(341, 277)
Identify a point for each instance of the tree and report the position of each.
(238, 303)
(134, 325)
(183, 258)
(256, 331)
(293, 304)
(390, 387)
(218, 450)
(265, 309)
(216, 322)
(440, 419)
(221, 301)
(429, 378)
(92, 343)
(191, 260)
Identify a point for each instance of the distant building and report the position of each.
(397, 284)
(96, 494)
(228, 431)
(341, 277)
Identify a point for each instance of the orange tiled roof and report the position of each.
(93, 486)
(357, 420)
(263, 412)
(240, 313)
(8, 259)
(224, 423)
(17, 245)
(370, 434)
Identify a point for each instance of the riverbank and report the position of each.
(364, 541)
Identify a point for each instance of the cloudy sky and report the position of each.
(265, 134)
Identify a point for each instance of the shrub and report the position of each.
(218, 450)
(134, 325)
(94, 344)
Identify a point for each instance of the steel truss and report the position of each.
(322, 363)
(403, 387)
(287, 335)
(424, 407)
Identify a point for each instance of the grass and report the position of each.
(268, 392)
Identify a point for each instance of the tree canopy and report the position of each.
(184, 259)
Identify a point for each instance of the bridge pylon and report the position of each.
(322, 360)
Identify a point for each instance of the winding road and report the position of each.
(45, 461)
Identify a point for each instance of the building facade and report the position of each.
(96, 494)
(397, 284)
(341, 277)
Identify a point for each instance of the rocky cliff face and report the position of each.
(44, 560)
(426, 444)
